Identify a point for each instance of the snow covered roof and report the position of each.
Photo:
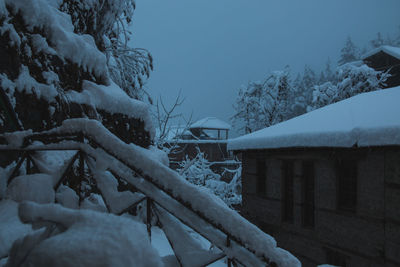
(390, 50)
(368, 119)
(211, 123)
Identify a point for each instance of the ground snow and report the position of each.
(368, 119)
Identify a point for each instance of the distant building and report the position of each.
(210, 128)
(326, 184)
(385, 58)
(209, 135)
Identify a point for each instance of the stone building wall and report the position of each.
(368, 237)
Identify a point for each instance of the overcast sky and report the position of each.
(209, 48)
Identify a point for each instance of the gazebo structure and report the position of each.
(209, 136)
(210, 128)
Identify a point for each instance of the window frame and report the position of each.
(261, 177)
(346, 185)
(308, 196)
(287, 191)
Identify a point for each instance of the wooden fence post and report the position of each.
(148, 216)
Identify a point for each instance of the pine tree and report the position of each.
(388, 40)
(298, 103)
(321, 78)
(349, 52)
(329, 74)
(309, 80)
(378, 41)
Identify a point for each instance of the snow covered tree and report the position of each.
(349, 52)
(56, 65)
(353, 79)
(263, 104)
(108, 22)
(308, 81)
(279, 88)
(247, 103)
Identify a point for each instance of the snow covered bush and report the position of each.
(352, 79)
(198, 171)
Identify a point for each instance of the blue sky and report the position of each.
(209, 48)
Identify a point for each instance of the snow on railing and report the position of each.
(165, 190)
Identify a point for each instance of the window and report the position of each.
(287, 191)
(308, 191)
(335, 258)
(347, 185)
(261, 177)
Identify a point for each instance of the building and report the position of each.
(210, 136)
(385, 58)
(326, 184)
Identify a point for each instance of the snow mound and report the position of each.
(94, 202)
(67, 197)
(11, 228)
(116, 201)
(368, 119)
(88, 238)
(33, 187)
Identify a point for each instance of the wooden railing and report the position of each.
(238, 241)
